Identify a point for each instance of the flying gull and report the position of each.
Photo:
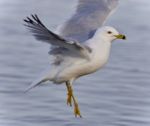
(80, 47)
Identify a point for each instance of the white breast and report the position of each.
(100, 53)
(79, 67)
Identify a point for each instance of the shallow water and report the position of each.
(118, 95)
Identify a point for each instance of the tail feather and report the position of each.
(45, 76)
(35, 84)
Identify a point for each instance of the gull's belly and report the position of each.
(79, 68)
(91, 66)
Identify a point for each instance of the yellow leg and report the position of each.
(70, 98)
(76, 107)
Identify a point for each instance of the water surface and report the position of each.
(118, 95)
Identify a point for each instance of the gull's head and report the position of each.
(109, 34)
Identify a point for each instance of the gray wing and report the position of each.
(90, 15)
(42, 33)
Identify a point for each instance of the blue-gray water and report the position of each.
(118, 95)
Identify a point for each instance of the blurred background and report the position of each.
(118, 95)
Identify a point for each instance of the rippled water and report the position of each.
(118, 95)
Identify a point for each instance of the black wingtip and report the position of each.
(34, 19)
(25, 20)
(28, 20)
(33, 16)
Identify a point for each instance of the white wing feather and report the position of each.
(89, 15)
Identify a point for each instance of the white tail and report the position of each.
(35, 83)
(45, 76)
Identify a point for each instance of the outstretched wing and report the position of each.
(90, 15)
(42, 33)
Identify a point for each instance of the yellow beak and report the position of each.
(120, 36)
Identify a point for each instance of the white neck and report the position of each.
(100, 47)
(99, 43)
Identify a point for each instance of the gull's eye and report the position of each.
(109, 32)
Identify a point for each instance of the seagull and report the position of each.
(79, 47)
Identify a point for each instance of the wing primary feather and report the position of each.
(35, 23)
(41, 33)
